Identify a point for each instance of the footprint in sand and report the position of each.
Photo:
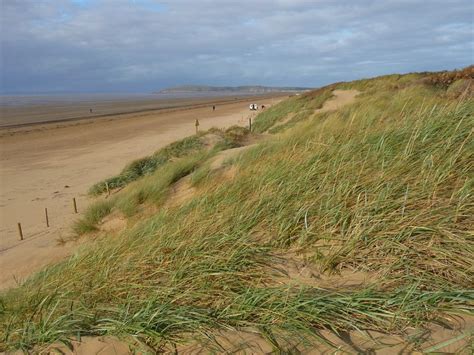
(38, 199)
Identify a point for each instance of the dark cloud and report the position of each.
(143, 45)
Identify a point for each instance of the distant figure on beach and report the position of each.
(263, 107)
(90, 110)
(213, 107)
(197, 125)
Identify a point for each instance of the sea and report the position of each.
(41, 99)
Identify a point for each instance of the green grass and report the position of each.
(383, 187)
(201, 174)
(149, 190)
(230, 138)
(316, 102)
(156, 174)
(301, 105)
(148, 165)
(93, 215)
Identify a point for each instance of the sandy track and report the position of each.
(48, 166)
(341, 98)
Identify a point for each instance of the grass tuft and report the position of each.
(148, 165)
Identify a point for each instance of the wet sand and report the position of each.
(47, 165)
(59, 109)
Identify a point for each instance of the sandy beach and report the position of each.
(47, 165)
(27, 111)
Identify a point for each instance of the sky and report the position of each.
(52, 46)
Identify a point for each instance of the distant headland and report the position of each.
(254, 89)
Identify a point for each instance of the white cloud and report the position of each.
(142, 45)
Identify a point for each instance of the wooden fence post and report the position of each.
(75, 204)
(46, 215)
(20, 231)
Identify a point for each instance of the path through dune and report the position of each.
(341, 98)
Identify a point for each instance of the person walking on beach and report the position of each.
(197, 125)
(213, 107)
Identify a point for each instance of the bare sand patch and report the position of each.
(181, 192)
(219, 160)
(106, 345)
(113, 222)
(453, 338)
(291, 269)
(340, 99)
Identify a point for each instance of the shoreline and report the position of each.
(181, 104)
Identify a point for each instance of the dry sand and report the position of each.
(340, 98)
(45, 166)
(446, 340)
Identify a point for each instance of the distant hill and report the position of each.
(254, 89)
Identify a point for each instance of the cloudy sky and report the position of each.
(145, 45)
